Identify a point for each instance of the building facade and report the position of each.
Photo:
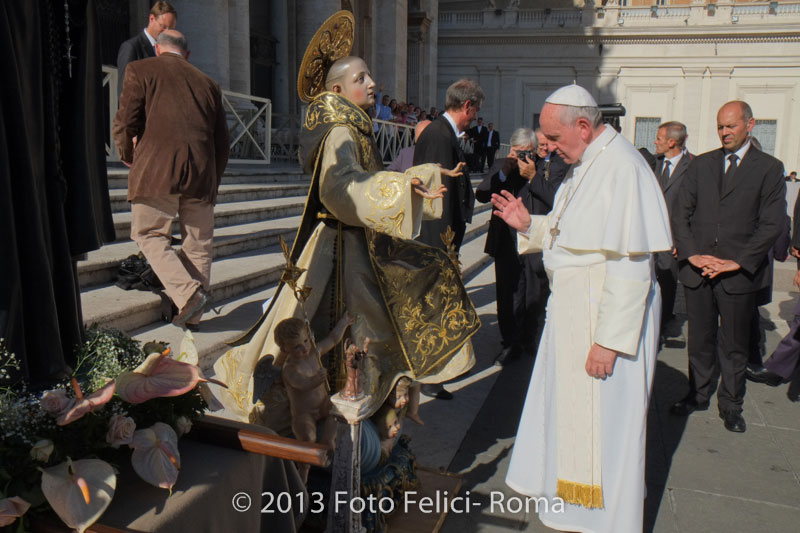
(663, 60)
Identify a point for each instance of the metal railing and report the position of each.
(249, 123)
(285, 137)
(251, 127)
(392, 137)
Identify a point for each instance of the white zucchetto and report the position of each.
(572, 95)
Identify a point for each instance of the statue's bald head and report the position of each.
(339, 69)
(350, 77)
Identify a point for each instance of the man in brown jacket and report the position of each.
(171, 130)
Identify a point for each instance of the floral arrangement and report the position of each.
(57, 448)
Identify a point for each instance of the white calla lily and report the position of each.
(79, 491)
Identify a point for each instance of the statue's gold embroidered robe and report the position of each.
(355, 242)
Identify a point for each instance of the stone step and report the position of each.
(232, 317)
(118, 177)
(231, 276)
(101, 265)
(228, 193)
(231, 214)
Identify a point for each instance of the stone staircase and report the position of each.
(255, 207)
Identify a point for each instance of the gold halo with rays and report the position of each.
(333, 40)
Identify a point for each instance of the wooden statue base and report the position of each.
(431, 483)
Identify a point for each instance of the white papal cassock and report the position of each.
(578, 435)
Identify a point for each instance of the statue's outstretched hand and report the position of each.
(426, 193)
(512, 211)
(456, 172)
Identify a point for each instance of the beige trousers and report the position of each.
(182, 273)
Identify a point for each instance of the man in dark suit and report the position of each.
(175, 111)
(439, 144)
(671, 166)
(501, 244)
(492, 145)
(162, 17)
(538, 195)
(479, 135)
(731, 208)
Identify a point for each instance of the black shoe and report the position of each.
(794, 390)
(687, 406)
(194, 328)
(762, 375)
(435, 390)
(196, 305)
(506, 355)
(734, 421)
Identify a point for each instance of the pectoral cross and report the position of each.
(554, 232)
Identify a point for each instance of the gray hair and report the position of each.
(168, 40)
(462, 91)
(569, 114)
(675, 130)
(524, 137)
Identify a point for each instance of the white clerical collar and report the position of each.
(150, 38)
(452, 123)
(598, 144)
(741, 151)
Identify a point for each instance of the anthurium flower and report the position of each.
(155, 455)
(85, 404)
(79, 491)
(158, 376)
(11, 509)
(188, 354)
(41, 450)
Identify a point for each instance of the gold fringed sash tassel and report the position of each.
(589, 496)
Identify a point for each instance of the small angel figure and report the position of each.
(353, 356)
(305, 380)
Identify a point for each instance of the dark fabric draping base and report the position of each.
(53, 180)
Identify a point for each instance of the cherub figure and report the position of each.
(305, 379)
(389, 425)
(405, 394)
(353, 356)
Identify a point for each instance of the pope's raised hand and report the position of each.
(512, 211)
(455, 172)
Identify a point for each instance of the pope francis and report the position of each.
(581, 437)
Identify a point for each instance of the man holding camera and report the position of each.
(510, 174)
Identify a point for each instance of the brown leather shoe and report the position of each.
(196, 304)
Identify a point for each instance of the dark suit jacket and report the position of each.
(501, 237)
(538, 196)
(495, 140)
(439, 144)
(741, 223)
(671, 191)
(135, 48)
(176, 112)
(479, 138)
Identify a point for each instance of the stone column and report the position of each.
(205, 24)
(692, 99)
(391, 23)
(430, 58)
(346, 477)
(418, 25)
(283, 82)
(239, 45)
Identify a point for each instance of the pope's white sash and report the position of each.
(578, 425)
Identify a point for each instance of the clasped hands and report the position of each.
(439, 191)
(711, 266)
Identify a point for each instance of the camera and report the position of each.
(523, 155)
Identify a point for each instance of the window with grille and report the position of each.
(645, 131)
(765, 131)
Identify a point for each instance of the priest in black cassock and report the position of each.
(54, 203)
